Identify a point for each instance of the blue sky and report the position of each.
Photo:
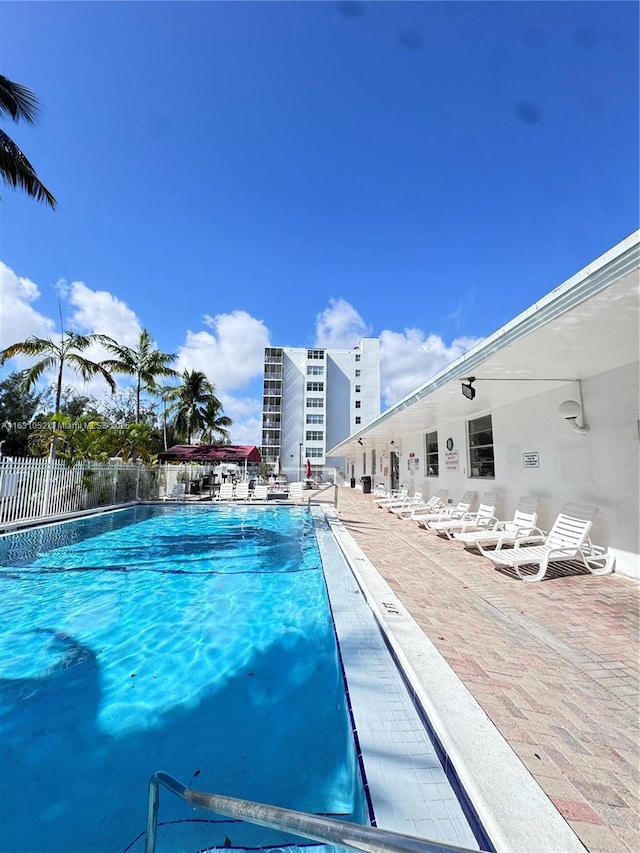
(232, 175)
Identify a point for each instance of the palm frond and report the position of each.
(18, 102)
(32, 346)
(83, 342)
(35, 372)
(87, 369)
(18, 172)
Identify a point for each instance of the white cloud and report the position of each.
(246, 414)
(92, 312)
(340, 326)
(232, 355)
(19, 320)
(408, 359)
(100, 312)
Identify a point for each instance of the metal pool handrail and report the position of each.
(314, 827)
(320, 491)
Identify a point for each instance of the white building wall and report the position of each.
(340, 397)
(601, 468)
(293, 393)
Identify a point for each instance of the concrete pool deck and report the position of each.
(553, 665)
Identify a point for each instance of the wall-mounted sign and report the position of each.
(449, 444)
(531, 459)
(413, 462)
(451, 460)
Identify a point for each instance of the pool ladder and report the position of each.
(333, 486)
(314, 827)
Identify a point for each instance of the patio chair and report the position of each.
(225, 492)
(395, 499)
(567, 540)
(522, 526)
(295, 491)
(434, 503)
(449, 512)
(175, 493)
(407, 504)
(260, 493)
(241, 492)
(470, 520)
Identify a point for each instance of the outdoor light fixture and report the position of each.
(571, 411)
(468, 390)
(360, 441)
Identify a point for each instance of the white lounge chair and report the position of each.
(522, 526)
(449, 512)
(434, 503)
(241, 492)
(175, 493)
(394, 499)
(567, 540)
(225, 493)
(260, 493)
(407, 504)
(482, 518)
(295, 491)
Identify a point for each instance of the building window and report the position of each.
(358, 420)
(315, 386)
(315, 369)
(358, 372)
(481, 463)
(314, 452)
(431, 454)
(315, 402)
(315, 419)
(315, 354)
(357, 404)
(358, 388)
(357, 356)
(314, 435)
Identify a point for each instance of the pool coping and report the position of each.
(514, 811)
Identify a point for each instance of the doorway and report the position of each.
(395, 471)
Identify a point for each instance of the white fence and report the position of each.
(32, 489)
(38, 488)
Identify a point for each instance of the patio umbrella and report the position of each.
(276, 467)
(307, 470)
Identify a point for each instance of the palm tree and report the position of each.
(166, 394)
(68, 351)
(144, 361)
(18, 102)
(190, 401)
(216, 424)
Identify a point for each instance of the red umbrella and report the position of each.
(307, 470)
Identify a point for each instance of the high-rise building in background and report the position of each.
(314, 399)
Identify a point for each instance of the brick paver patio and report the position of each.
(555, 664)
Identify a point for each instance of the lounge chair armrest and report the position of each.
(530, 531)
(528, 540)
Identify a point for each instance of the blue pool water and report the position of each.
(196, 640)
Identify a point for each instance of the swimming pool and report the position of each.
(190, 639)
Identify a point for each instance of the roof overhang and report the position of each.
(210, 453)
(586, 326)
